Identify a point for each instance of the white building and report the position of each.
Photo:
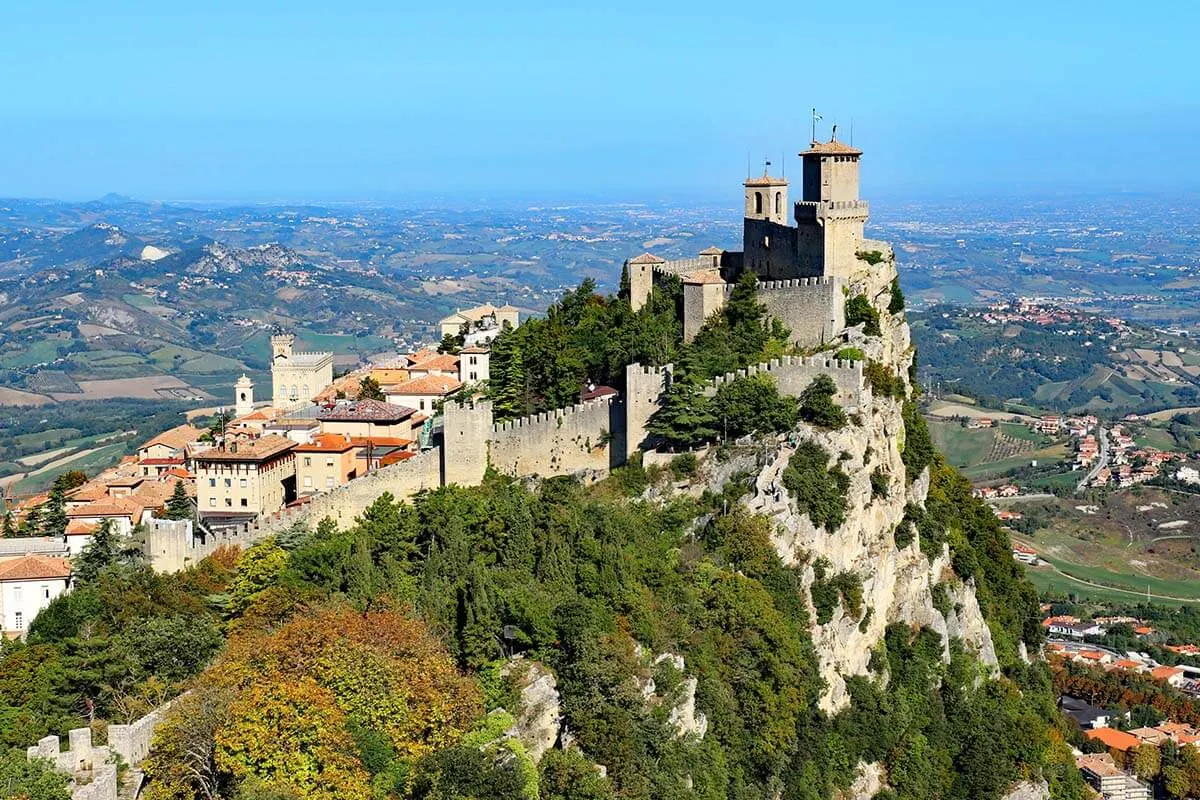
(27, 585)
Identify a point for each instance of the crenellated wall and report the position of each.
(560, 442)
(644, 387)
(813, 308)
(172, 545)
(793, 374)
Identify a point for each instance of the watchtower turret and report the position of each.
(767, 198)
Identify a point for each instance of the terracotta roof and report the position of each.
(327, 443)
(367, 411)
(1126, 663)
(702, 276)
(160, 462)
(380, 441)
(178, 472)
(34, 567)
(430, 384)
(77, 528)
(395, 457)
(647, 258)
(1165, 673)
(475, 349)
(442, 361)
(766, 180)
(176, 438)
(596, 392)
(249, 450)
(108, 507)
(471, 314)
(1113, 738)
(712, 251)
(831, 148)
(92, 490)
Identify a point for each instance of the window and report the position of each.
(779, 202)
(45, 592)
(308, 480)
(242, 483)
(473, 376)
(308, 461)
(329, 483)
(212, 502)
(228, 483)
(422, 402)
(229, 502)
(758, 202)
(471, 361)
(212, 483)
(18, 621)
(245, 502)
(767, 242)
(329, 462)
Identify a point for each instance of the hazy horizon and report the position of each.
(297, 102)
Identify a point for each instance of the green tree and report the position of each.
(23, 779)
(179, 505)
(1147, 762)
(859, 311)
(896, 301)
(817, 405)
(9, 529)
(819, 490)
(369, 389)
(684, 418)
(753, 405)
(451, 344)
(102, 551)
(567, 775)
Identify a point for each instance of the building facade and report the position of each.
(241, 479)
(27, 585)
(297, 378)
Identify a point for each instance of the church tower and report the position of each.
(243, 395)
(767, 199)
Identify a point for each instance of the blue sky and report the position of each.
(304, 100)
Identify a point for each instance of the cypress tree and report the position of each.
(179, 506)
(54, 512)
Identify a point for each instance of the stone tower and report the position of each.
(830, 216)
(641, 278)
(243, 396)
(767, 199)
(466, 429)
(281, 346)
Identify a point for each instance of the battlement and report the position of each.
(681, 265)
(793, 374)
(794, 283)
(558, 416)
(809, 209)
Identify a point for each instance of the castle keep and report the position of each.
(803, 267)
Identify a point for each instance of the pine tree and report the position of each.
(10, 529)
(685, 418)
(32, 524)
(509, 382)
(369, 389)
(179, 505)
(101, 552)
(54, 513)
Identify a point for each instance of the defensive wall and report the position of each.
(793, 374)
(171, 545)
(91, 768)
(561, 442)
(813, 308)
(586, 440)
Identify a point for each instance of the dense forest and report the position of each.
(385, 660)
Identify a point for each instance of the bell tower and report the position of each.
(767, 199)
(243, 396)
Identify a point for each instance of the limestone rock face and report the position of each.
(539, 715)
(1029, 790)
(897, 582)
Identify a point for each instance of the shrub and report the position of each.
(872, 257)
(879, 484)
(941, 599)
(884, 382)
(859, 311)
(919, 451)
(684, 465)
(850, 354)
(817, 406)
(820, 491)
(827, 590)
(896, 304)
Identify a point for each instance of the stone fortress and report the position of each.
(296, 378)
(803, 269)
(806, 271)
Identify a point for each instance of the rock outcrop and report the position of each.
(538, 714)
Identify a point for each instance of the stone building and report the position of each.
(479, 325)
(297, 378)
(240, 479)
(803, 265)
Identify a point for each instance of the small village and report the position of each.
(315, 434)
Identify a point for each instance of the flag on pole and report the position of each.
(816, 117)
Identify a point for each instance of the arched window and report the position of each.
(779, 202)
(758, 202)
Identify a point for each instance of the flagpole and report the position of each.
(814, 125)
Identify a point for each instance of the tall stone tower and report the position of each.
(296, 377)
(830, 216)
(281, 346)
(243, 396)
(641, 278)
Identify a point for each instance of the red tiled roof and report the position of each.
(34, 567)
(430, 384)
(443, 362)
(1165, 673)
(327, 443)
(1113, 738)
(831, 148)
(176, 438)
(78, 528)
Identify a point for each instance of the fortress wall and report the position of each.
(644, 387)
(813, 308)
(559, 442)
(793, 374)
(680, 265)
(172, 545)
(466, 428)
